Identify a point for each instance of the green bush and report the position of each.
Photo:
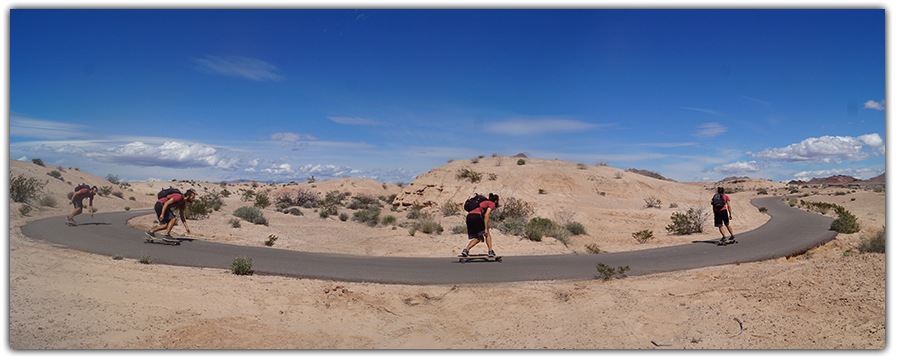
(38, 162)
(449, 208)
(388, 220)
(145, 259)
(242, 266)
(23, 189)
(47, 201)
(271, 240)
(466, 173)
(511, 209)
(56, 174)
(295, 211)
(845, 223)
(538, 227)
(104, 190)
(251, 214)
(873, 244)
(652, 202)
(24, 210)
(607, 272)
(429, 226)
(368, 216)
(515, 227)
(576, 228)
(235, 223)
(688, 222)
(593, 249)
(643, 236)
(417, 212)
(520, 162)
(343, 217)
(762, 191)
(198, 209)
(262, 201)
(363, 202)
(459, 229)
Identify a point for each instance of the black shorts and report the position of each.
(475, 225)
(721, 218)
(169, 214)
(78, 203)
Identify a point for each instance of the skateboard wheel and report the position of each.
(499, 259)
(462, 260)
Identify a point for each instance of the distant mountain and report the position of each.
(733, 178)
(841, 179)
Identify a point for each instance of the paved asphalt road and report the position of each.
(790, 231)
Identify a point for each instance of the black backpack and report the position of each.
(82, 186)
(166, 192)
(718, 201)
(474, 202)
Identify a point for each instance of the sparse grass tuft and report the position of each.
(874, 243)
(643, 236)
(145, 259)
(466, 173)
(271, 240)
(607, 272)
(594, 249)
(242, 266)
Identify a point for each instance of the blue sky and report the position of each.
(695, 95)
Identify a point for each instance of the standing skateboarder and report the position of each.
(170, 199)
(722, 214)
(82, 191)
(477, 222)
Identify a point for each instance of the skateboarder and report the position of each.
(81, 192)
(722, 214)
(165, 215)
(477, 224)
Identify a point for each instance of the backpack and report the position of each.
(166, 192)
(718, 201)
(82, 186)
(474, 202)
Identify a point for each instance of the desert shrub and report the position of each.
(145, 259)
(576, 228)
(601, 163)
(131, 198)
(117, 257)
(845, 223)
(389, 199)
(261, 201)
(466, 173)
(763, 209)
(762, 191)
(38, 162)
(271, 240)
(251, 214)
(417, 212)
(594, 249)
(112, 178)
(388, 220)
(652, 202)
(520, 162)
(242, 266)
(643, 236)
(673, 205)
(874, 243)
(118, 193)
(792, 202)
(295, 211)
(368, 216)
(449, 208)
(363, 202)
(47, 201)
(607, 272)
(22, 189)
(459, 229)
(200, 208)
(104, 191)
(323, 214)
(688, 222)
(343, 217)
(235, 223)
(24, 210)
(247, 194)
(512, 209)
(56, 174)
(429, 226)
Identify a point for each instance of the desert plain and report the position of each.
(831, 297)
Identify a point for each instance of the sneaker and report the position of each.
(168, 237)
(151, 234)
(465, 253)
(491, 254)
(731, 239)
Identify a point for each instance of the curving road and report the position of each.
(790, 231)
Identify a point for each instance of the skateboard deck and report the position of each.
(165, 241)
(71, 224)
(726, 243)
(464, 259)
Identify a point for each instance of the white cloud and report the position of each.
(825, 149)
(710, 129)
(356, 121)
(292, 137)
(519, 127)
(740, 167)
(243, 67)
(870, 104)
(42, 129)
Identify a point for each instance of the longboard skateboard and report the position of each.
(464, 259)
(726, 243)
(165, 241)
(71, 224)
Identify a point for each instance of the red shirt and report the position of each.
(177, 200)
(725, 207)
(84, 193)
(483, 207)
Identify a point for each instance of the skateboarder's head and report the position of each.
(189, 195)
(494, 198)
(721, 190)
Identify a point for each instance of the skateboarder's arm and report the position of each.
(184, 222)
(730, 214)
(487, 218)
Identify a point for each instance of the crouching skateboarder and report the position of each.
(480, 209)
(81, 192)
(170, 199)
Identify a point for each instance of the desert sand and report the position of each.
(831, 297)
